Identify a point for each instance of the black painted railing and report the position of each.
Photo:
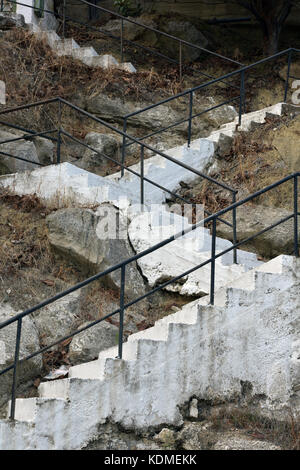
(162, 54)
(121, 267)
(239, 99)
(61, 134)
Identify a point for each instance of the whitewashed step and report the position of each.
(66, 47)
(83, 53)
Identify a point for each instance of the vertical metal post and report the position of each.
(122, 40)
(242, 96)
(121, 327)
(64, 19)
(58, 134)
(142, 174)
(296, 242)
(1, 5)
(180, 61)
(190, 118)
(15, 370)
(213, 262)
(124, 146)
(234, 236)
(286, 89)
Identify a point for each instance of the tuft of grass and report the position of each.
(285, 433)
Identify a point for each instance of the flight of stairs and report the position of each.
(87, 55)
(200, 156)
(249, 336)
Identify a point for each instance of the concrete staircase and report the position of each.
(200, 156)
(87, 55)
(250, 335)
(45, 29)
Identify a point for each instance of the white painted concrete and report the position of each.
(48, 22)
(202, 351)
(67, 185)
(200, 156)
(184, 253)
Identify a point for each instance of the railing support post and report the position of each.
(124, 146)
(234, 231)
(122, 40)
(296, 241)
(242, 96)
(142, 174)
(190, 118)
(180, 61)
(122, 296)
(213, 262)
(286, 89)
(58, 147)
(15, 370)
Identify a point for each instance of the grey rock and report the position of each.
(190, 436)
(45, 150)
(253, 219)
(167, 438)
(132, 31)
(86, 345)
(113, 109)
(184, 30)
(87, 237)
(11, 20)
(27, 370)
(20, 148)
(58, 319)
(104, 144)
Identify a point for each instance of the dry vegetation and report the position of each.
(32, 72)
(285, 434)
(254, 161)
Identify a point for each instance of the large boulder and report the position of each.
(133, 32)
(86, 346)
(27, 370)
(11, 20)
(20, 148)
(96, 240)
(45, 150)
(185, 30)
(253, 219)
(114, 110)
(58, 319)
(104, 144)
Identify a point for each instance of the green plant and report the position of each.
(126, 8)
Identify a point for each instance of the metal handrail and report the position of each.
(190, 93)
(122, 267)
(123, 19)
(60, 132)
